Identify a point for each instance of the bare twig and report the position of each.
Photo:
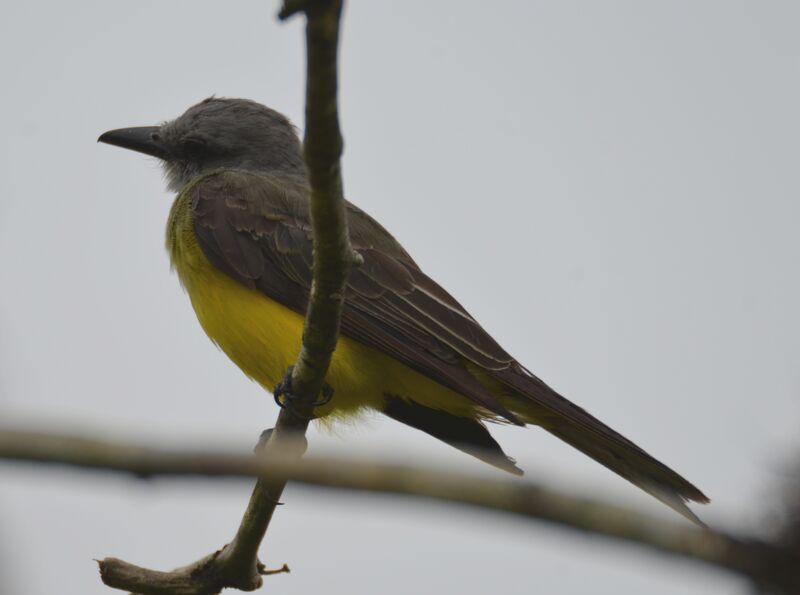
(760, 562)
(333, 257)
(292, 7)
(237, 565)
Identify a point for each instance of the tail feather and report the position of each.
(637, 467)
(467, 435)
(541, 405)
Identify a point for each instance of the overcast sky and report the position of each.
(611, 188)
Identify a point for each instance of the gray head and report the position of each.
(217, 133)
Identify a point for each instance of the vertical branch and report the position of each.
(333, 256)
(237, 564)
(322, 150)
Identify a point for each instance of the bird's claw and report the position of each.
(286, 400)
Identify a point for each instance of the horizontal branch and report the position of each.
(761, 562)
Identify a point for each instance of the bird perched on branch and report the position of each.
(240, 239)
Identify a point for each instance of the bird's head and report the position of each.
(216, 133)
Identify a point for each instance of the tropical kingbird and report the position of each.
(239, 237)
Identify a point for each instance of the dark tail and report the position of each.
(631, 462)
(539, 404)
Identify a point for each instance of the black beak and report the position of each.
(144, 139)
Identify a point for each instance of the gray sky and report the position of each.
(610, 187)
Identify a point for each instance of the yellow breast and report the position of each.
(263, 337)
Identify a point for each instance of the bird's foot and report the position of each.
(285, 399)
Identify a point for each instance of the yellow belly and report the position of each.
(263, 337)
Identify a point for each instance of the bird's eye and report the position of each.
(155, 137)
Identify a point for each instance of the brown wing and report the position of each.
(255, 229)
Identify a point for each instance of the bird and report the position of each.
(239, 237)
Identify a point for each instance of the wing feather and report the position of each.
(257, 231)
